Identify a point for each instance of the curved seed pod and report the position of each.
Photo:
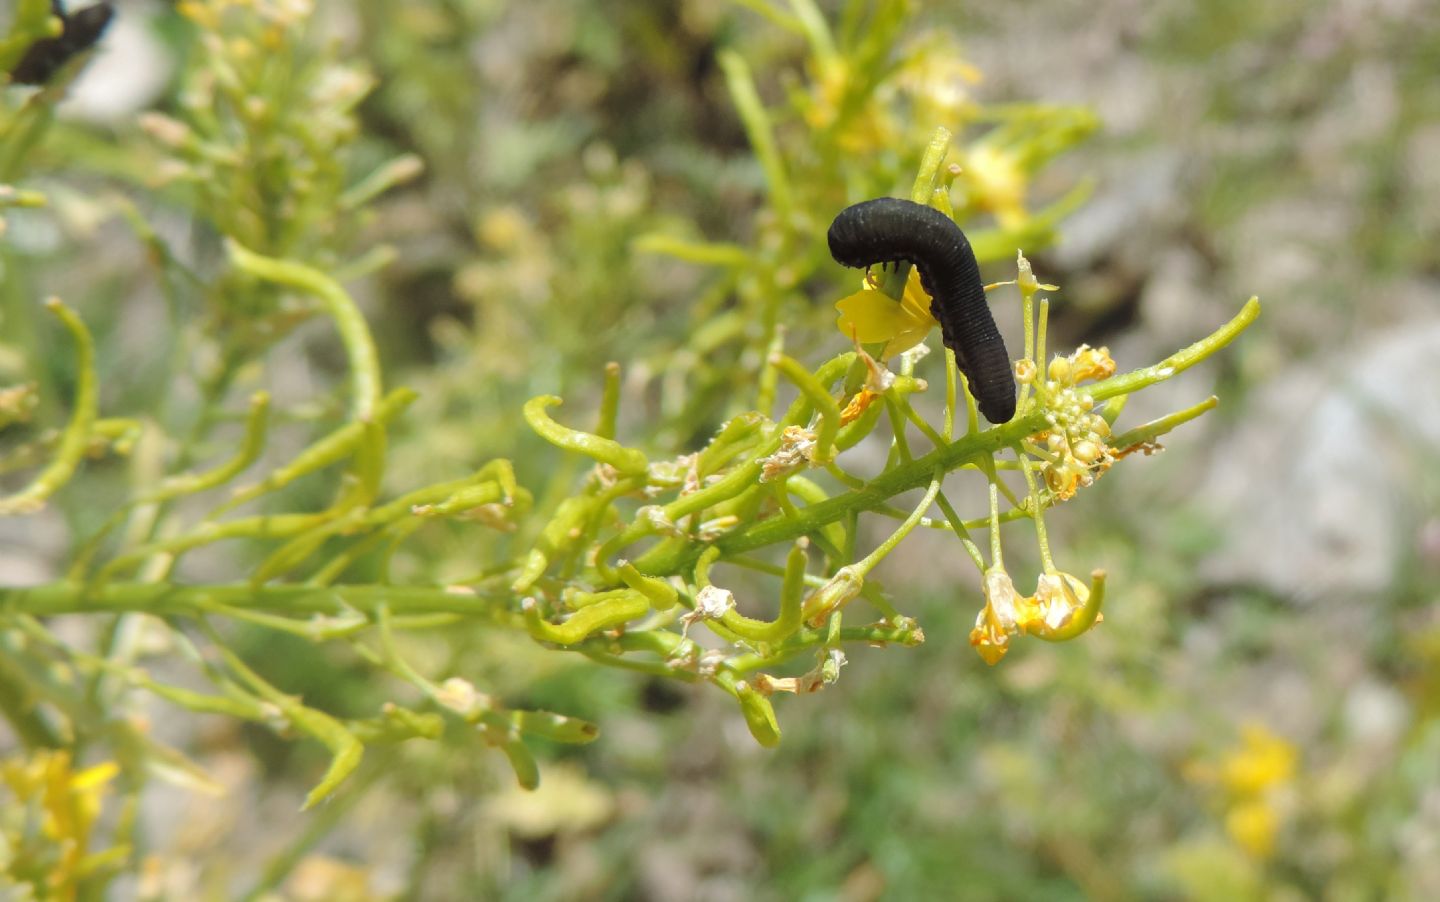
(888, 230)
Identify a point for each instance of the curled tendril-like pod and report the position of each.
(818, 395)
(791, 600)
(333, 448)
(628, 461)
(662, 595)
(349, 321)
(755, 707)
(613, 609)
(253, 442)
(555, 727)
(76, 436)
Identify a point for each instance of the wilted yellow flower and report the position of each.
(1000, 617)
(858, 405)
(870, 316)
(1085, 363)
(1058, 596)
(796, 452)
(1062, 608)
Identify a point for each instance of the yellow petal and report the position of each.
(870, 316)
(1253, 826)
(1264, 760)
(93, 777)
(990, 643)
(904, 342)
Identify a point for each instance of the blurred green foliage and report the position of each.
(647, 184)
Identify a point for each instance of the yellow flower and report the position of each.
(870, 316)
(1253, 826)
(839, 101)
(69, 805)
(1253, 778)
(998, 183)
(1263, 760)
(938, 81)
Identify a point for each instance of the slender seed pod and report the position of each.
(889, 230)
(45, 57)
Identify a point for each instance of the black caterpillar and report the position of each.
(80, 33)
(888, 230)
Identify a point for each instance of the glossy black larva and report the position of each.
(888, 230)
(80, 32)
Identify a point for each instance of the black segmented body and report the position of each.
(888, 230)
(46, 56)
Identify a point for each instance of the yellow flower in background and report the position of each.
(938, 82)
(1262, 761)
(68, 804)
(838, 100)
(871, 316)
(1253, 826)
(1253, 778)
(998, 183)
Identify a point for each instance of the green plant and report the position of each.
(631, 550)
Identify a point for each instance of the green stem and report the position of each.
(1037, 511)
(1181, 360)
(75, 438)
(758, 128)
(670, 558)
(609, 402)
(868, 563)
(296, 600)
(349, 322)
(1148, 432)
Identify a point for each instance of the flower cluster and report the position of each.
(48, 834)
(1075, 442)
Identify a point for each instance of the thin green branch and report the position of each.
(161, 599)
(349, 322)
(1135, 380)
(75, 438)
(1148, 432)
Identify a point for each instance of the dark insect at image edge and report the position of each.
(80, 31)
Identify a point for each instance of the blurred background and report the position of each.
(1259, 714)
